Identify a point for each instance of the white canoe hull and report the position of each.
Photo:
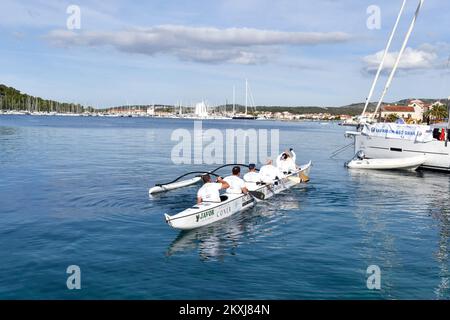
(282, 184)
(207, 213)
(210, 212)
(175, 185)
(411, 163)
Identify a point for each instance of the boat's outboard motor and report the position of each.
(360, 155)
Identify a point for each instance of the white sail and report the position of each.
(201, 110)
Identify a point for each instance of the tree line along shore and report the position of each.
(12, 100)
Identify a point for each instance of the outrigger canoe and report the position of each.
(209, 212)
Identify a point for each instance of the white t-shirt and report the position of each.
(268, 173)
(210, 192)
(279, 161)
(287, 165)
(236, 184)
(252, 176)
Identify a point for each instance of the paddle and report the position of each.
(257, 194)
(303, 177)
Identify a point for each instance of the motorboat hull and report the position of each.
(411, 163)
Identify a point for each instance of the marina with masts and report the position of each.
(392, 145)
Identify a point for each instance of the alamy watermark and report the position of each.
(373, 21)
(212, 146)
(73, 21)
(74, 280)
(374, 280)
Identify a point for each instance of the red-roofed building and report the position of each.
(405, 112)
(416, 102)
(425, 106)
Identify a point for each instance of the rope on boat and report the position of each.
(340, 150)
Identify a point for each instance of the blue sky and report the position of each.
(293, 52)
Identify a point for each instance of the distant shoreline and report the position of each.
(168, 116)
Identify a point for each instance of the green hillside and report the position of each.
(13, 99)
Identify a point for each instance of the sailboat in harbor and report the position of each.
(389, 142)
(246, 115)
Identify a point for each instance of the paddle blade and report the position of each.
(303, 177)
(258, 195)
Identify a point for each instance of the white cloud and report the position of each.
(412, 59)
(200, 44)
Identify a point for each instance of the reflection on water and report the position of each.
(383, 193)
(441, 213)
(77, 192)
(8, 131)
(221, 239)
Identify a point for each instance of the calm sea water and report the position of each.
(74, 191)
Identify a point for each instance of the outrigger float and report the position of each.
(209, 212)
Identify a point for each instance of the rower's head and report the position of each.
(287, 154)
(236, 171)
(251, 167)
(206, 178)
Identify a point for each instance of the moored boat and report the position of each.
(409, 163)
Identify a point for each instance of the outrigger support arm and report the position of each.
(184, 175)
(202, 173)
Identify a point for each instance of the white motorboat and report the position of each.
(209, 212)
(409, 163)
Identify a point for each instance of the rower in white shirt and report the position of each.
(252, 176)
(286, 161)
(268, 173)
(289, 152)
(209, 192)
(237, 185)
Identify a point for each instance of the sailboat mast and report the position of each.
(234, 100)
(380, 67)
(394, 69)
(246, 95)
